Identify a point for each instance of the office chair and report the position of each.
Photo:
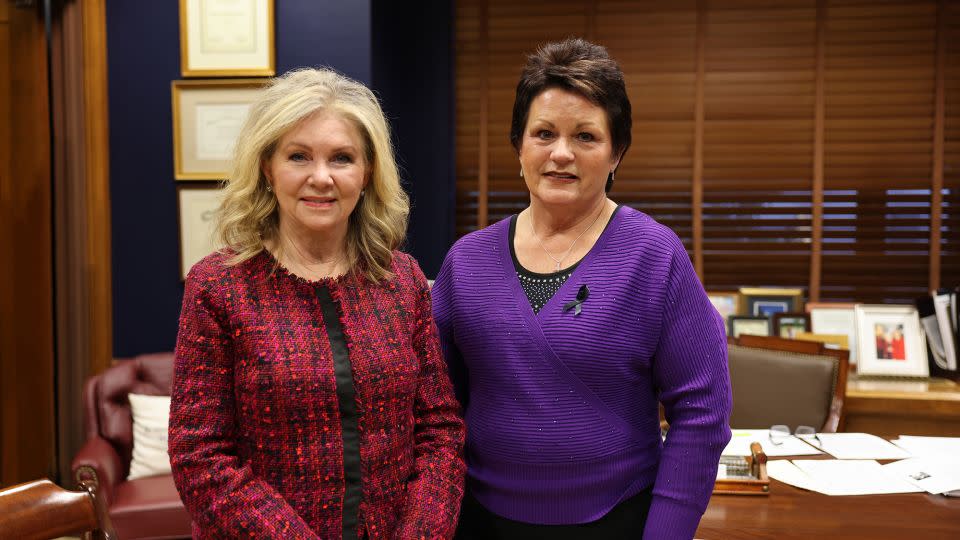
(784, 381)
(41, 510)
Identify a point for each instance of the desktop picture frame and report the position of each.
(767, 302)
(197, 205)
(890, 341)
(749, 324)
(207, 117)
(727, 303)
(227, 38)
(835, 318)
(788, 325)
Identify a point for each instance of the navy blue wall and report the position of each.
(413, 74)
(324, 33)
(143, 58)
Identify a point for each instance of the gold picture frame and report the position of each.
(766, 301)
(207, 117)
(831, 341)
(227, 38)
(197, 205)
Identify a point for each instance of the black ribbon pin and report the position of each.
(582, 295)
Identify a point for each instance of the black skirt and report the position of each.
(626, 520)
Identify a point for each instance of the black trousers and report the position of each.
(626, 520)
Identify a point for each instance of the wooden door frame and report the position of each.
(84, 307)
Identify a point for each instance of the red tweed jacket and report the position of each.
(256, 443)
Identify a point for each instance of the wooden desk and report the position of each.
(892, 408)
(789, 513)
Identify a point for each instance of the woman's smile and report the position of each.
(320, 203)
(561, 176)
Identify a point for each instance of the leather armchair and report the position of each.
(145, 507)
(42, 509)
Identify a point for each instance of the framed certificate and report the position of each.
(207, 117)
(835, 318)
(197, 207)
(226, 38)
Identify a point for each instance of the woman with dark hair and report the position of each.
(565, 325)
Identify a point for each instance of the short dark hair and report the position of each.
(579, 66)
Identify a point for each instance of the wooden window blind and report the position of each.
(949, 25)
(800, 143)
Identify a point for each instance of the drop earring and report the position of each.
(521, 172)
(269, 189)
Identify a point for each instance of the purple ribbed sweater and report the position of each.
(561, 409)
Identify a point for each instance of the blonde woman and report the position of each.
(310, 397)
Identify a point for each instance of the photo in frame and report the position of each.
(762, 301)
(207, 117)
(749, 324)
(835, 318)
(196, 212)
(789, 325)
(890, 341)
(227, 38)
(727, 303)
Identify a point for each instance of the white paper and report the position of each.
(785, 471)
(856, 446)
(931, 474)
(929, 446)
(218, 126)
(852, 477)
(739, 444)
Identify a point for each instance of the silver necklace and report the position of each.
(569, 249)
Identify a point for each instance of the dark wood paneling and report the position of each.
(26, 302)
(97, 175)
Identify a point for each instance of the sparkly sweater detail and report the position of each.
(561, 408)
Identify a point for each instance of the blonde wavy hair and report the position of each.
(249, 214)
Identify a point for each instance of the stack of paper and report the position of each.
(935, 466)
(855, 446)
(937, 475)
(739, 444)
(929, 446)
(840, 477)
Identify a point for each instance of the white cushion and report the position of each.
(151, 414)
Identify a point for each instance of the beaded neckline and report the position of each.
(279, 268)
